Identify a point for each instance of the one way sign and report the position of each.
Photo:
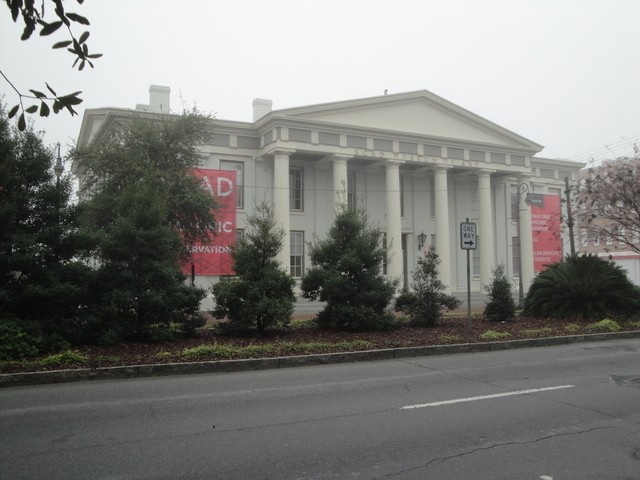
(468, 239)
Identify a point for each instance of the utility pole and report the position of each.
(567, 192)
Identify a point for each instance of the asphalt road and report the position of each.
(565, 412)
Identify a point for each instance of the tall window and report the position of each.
(236, 167)
(384, 247)
(515, 255)
(515, 213)
(432, 197)
(351, 190)
(401, 196)
(584, 237)
(296, 190)
(297, 253)
(475, 260)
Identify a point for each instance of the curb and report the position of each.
(226, 366)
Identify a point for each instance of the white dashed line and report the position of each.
(485, 397)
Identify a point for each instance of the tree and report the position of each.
(347, 274)
(500, 305)
(582, 286)
(608, 201)
(42, 282)
(143, 208)
(32, 19)
(425, 303)
(261, 296)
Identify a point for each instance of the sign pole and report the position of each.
(468, 241)
(468, 291)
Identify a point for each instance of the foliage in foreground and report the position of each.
(42, 281)
(500, 304)
(346, 273)
(143, 208)
(425, 303)
(261, 296)
(582, 286)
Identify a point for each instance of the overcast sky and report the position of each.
(562, 73)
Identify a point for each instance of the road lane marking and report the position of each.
(485, 397)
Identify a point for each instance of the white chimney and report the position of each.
(261, 107)
(159, 99)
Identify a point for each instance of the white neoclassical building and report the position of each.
(417, 163)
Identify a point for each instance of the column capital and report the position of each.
(485, 171)
(281, 151)
(338, 158)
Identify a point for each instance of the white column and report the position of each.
(526, 235)
(339, 182)
(281, 203)
(394, 224)
(485, 229)
(443, 241)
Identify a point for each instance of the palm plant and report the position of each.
(582, 286)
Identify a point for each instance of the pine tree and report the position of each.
(425, 303)
(144, 207)
(261, 296)
(42, 282)
(500, 305)
(347, 274)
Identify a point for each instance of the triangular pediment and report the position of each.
(416, 113)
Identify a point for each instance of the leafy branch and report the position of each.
(33, 19)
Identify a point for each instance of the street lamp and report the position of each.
(59, 168)
(523, 190)
(421, 239)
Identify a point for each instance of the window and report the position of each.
(596, 237)
(401, 196)
(433, 241)
(297, 254)
(236, 167)
(296, 190)
(515, 213)
(584, 237)
(351, 190)
(475, 261)
(515, 255)
(384, 260)
(432, 197)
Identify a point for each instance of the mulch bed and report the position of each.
(452, 330)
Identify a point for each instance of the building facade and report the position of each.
(418, 164)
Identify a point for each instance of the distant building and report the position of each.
(417, 163)
(603, 237)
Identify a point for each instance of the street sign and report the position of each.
(468, 238)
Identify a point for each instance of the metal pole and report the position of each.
(567, 193)
(468, 291)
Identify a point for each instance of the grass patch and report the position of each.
(634, 325)
(217, 350)
(606, 325)
(537, 332)
(448, 338)
(493, 335)
(572, 328)
(67, 358)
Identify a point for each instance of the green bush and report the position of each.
(346, 274)
(63, 359)
(582, 286)
(606, 325)
(424, 305)
(500, 305)
(15, 342)
(493, 335)
(260, 297)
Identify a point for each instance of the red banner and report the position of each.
(215, 258)
(545, 227)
